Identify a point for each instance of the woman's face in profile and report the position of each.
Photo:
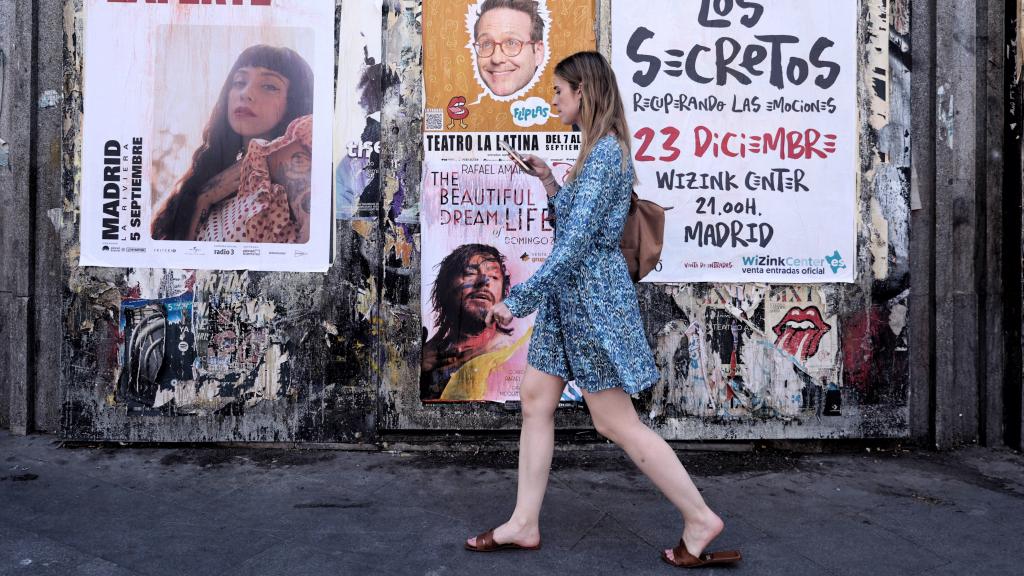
(256, 101)
(566, 101)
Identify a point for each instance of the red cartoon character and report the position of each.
(457, 111)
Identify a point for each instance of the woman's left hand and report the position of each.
(290, 167)
(499, 313)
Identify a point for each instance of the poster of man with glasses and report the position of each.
(508, 44)
(485, 225)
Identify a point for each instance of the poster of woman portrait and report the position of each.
(202, 142)
(260, 124)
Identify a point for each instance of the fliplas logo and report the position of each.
(836, 262)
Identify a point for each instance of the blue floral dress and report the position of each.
(588, 325)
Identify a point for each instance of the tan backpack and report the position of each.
(643, 236)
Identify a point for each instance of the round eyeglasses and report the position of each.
(510, 47)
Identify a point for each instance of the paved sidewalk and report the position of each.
(227, 511)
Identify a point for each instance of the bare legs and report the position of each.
(616, 419)
(539, 394)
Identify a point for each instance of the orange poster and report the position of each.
(487, 64)
(485, 224)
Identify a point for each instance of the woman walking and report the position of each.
(588, 324)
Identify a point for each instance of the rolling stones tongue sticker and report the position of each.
(800, 332)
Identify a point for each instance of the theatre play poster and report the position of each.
(488, 77)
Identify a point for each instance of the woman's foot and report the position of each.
(698, 533)
(513, 532)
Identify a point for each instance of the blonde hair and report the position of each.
(601, 109)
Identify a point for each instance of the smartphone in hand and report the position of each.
(516, 156)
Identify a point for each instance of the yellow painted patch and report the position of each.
(470, 381)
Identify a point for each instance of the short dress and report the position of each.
(588, 326)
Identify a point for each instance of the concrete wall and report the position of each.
(312, 377)
(31, 198)
(966, 263)
(340, 360)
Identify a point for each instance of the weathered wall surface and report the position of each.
(335, 357)
(278, 357)
(847, 377)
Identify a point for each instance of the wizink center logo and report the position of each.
(835, 261)
(778, 264)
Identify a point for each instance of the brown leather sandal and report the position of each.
(485, 543)
(681, 557)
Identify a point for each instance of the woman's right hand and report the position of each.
(538, 167)
(214, 191)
